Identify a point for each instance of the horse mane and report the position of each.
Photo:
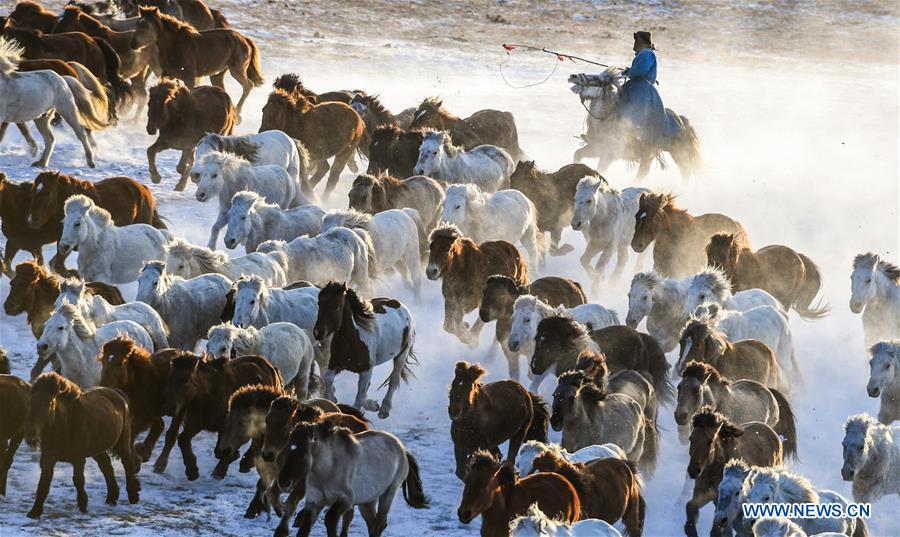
(224, 160)
(253, 394)
(715, 280)
(54, 384)
(83, 327)
(246, 199)
(11, 53)
(534, 521)
(87, 19)
(776, 526)
(124, 346)
(282, 98)
(861, 423)
(724, 241)
(40, 272)
(596, 361)
(707, 417)
(351, 218)
(445, 140)
(701, 371)
(209, 260)
(186, 359)
(168, 89)
(362, 310)
(373, 102)
(704, 328)
(169, 23)
(889, 347)
(658, 203)
(560, 320)
(436, 104)
(735, 468)
(471, 193)
(386, 132)
(483, 460)
(506, 282)
(446, 230)
(239, 145)
(285, 402)
(649, 279)
(288, 82)
(884, 266)
(255, 282)
(574, 472)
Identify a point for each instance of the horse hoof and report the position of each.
(384, 413)
(219, 473)
(180, 186)
(134, 497)
(34, 513)
(371, 405)
(563, 250)
(160, 466)
(192, 474)
(245, 467)
(281, 532)
(38, 164)
(143, 452)
(112, 501)
(155, 178)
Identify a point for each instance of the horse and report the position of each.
(291, 84)
(587, 414)
(14, 201)
(661, 301)
(495, 492)
(100, 312)
(464, 266)
(605, 216)
(729, 498)
(560, 340)
(502, 292)
(182, 116)
(189, 307)
(197, 395)
(251, 221)
(375, 194)
(871, 459)
(536, 524)
(374, 114)
(333, 468)
(15, 394)
(337, 254)
(71, 425)
(187, 260)
(791, 277)
(711, 286)
(875, 292)
(106, 252)
(393, 234)
(635, 384)
(486, 166)
(186, 54)
(75, 343)
(609, 489)
(142, 377)
(33, 290)
(394, 151)
(533, 448)
(714, 441)
(38, 92)
(884, 380)
(747, 359)
(483, 416)
(741, 401)
(679, 238)
(611, 137)
(32, 15)
(330, 129)
(474, 213)
(484, 127)
(551, 194)
(286, 345)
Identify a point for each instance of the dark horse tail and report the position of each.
(413, 491)
(121, 90)
(650, 451)
(635, 511)
(219, 20)
(254, 71)
(658, 368)
(539, 420)
(786, 427)
(812, 283)
(685, 149)
(157, 221)
(861, 529)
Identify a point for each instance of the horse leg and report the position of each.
(109, 475)
(334, 175)
(599, 268)
(246, 88)
(362, 401)
(43, 488)
(78, 481)
(692, 509)
(139, 84)
(321, 168)
(26, 134)
(334, 514)
(187, 453)
(393, 383)
(621, 259)
(256, 504)
(304, 521)
(290, 506)
(145, 448)
(592, 249)
(163, 460)
(155, 148)
(329, 384)
(644, 167)
(43, 126)
(384, 507)
(70, 114)
(367, 510)
(555, 249)
(217, 226)
(184, 169)
(218, 80)
(6, 459)
(475, 331)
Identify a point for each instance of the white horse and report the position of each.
(487, 166)
(884, 379)
(871, 458)
(29, 96)
(729, 514)
(394, 236)
(107, 253)
(286, 345)
(532, 448)
(712, 285)
(76, 343)
(188, 260)
(337, 254)
(189, 307)
(660, 300)
(506, 215)
(605, 216)
(875, 286)
(225, 174)
(251, 221)
(101, 312)
(536, 524)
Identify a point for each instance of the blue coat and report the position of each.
(640, 103)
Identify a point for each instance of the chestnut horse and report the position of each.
(14, 396)
(745, 359)
(32, 15)
(183, 116)
(291, 83)
(464, 266)
(394, 150)
(609, 489)
(497, 494)
(679, 238)
(15, 199)
(789, 276)
(327, 129)
(70, 426)
(483, 416)
(188, 55)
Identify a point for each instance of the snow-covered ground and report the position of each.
(802, 155)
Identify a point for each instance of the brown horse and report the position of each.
(15, 198)
(483, 416)
(714, 442)
(789, 276)
(291, 83)
(70, 426)
(14, 397)
(501, 292)
(491, 127)
(394, 150)
(197, 394)
(32, 15)
(374, 114)
(553, 195)
(746, 359)
(680, 238)
(183, 116)
(143, 378)
(464, 266)
(186, 54)
(609, 489)
(33, 290)
(497, 494)
(371, 194)
(329, 129)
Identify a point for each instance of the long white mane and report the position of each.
(591, 86)
(10, 55)
(82, 206)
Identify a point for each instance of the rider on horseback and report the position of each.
(640, 103)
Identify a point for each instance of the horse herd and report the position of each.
(444, 198)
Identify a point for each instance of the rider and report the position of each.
(640, 102)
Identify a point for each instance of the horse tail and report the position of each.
(650, 451)
(121, 89)
(92, 109)
(219, 20)
(861, 529)
(254, 71)
(539, 420)
(635, 511)
(371, 258)
(686, 147)
(812, 284)
(786, 427)
(658, 368)
(157, 221)
(413, 491)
